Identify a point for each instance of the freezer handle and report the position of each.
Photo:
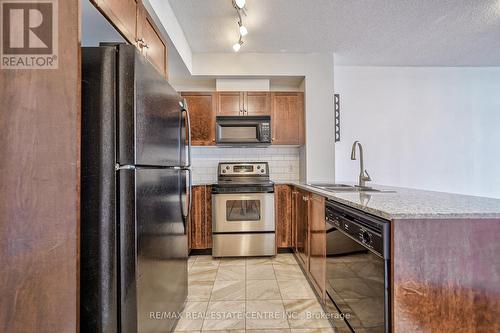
(189, 204)
(188, 125)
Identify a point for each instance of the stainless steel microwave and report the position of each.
(243, 130)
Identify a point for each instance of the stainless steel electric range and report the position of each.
(243, 210)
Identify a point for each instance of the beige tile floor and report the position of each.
(250, 295)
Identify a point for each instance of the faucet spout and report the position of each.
(363, 174)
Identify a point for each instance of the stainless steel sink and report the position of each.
(334, 187)
(348, 188)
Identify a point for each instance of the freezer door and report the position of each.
(149, 114)
(153, 246)
(98, 262)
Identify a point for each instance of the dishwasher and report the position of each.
(357, 272)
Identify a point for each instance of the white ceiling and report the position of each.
(360, 32)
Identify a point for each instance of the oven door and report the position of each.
(356, 282)
(242, 212)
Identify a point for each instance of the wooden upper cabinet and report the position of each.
(283, 215)
(257, 103)
(238, 103)
(317, 237)
(133, 21)
(150, 42)
(122, 14)
(287, 118)
(230, 103)
(202, 107)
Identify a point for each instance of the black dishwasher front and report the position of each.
(357, 275)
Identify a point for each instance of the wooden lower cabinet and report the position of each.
(301, 212)
(283, 216)
(200, 218)
(317, 248)
(309, 229)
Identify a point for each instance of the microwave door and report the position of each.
(237, 133)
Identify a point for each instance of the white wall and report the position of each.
(428, 128)
(318, 157)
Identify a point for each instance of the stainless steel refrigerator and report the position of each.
(135, 192)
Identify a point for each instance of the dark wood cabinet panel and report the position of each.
(132, 20)
(283, 215)
(449, 267)
(202, 108)
(257, 103)
(208, 216)
(122, 14)
(150, 42)
(200, 219)
(317, 237)
(230, 103)
(40, 189)
(302, 227)
(287, 117)
(197, 229)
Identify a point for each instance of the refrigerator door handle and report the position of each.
(188, 125)
(189, 204)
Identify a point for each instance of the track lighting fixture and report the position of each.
(237, 46)
(240, 6)
(240, 3)
(243, 30)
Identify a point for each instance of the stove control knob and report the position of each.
(262, 170)
(223, 171)
(366, 237)
(227, 167)
(258, 166)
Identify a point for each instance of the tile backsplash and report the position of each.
(283, 161)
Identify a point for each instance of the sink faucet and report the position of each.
(363, 174)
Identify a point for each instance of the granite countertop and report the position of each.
(407, 203)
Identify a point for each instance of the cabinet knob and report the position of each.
(142, 43)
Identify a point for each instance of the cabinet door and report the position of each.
(208, 216)
(230, 103)
(200, 219)
(283, 215)
(257, 103)
(202, 107)
(302, 242)
(317, 232)
(287, 113)
(150, 42)
(122, 14)
(197, 218)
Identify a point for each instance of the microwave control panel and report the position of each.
(265, 132)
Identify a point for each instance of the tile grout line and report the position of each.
(210, 296)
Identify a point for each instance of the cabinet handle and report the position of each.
(305, 198)
(142, 43)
